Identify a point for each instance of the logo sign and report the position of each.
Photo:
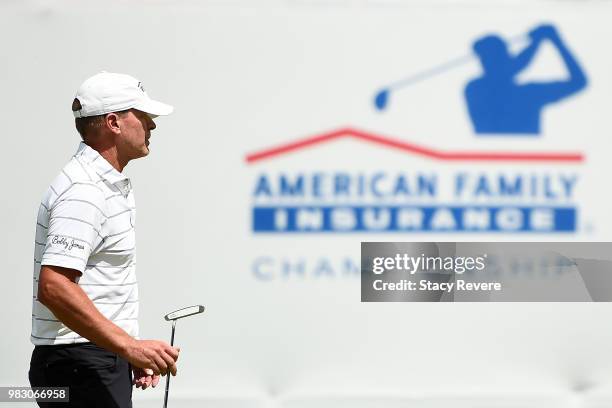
(498, 104)
(518, 190)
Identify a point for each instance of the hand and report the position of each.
(155, 355)
(144, 378)
(543, 31)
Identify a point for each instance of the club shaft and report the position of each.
(446, 66)
(428, 73)
(168, 374)
(172, 336)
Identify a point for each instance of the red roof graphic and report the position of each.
(413, 149)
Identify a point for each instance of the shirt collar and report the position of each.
(103, 168)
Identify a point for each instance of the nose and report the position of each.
(152, 124)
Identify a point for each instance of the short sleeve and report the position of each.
(75, 220)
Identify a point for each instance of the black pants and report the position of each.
(95, 377)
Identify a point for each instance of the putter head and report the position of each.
(184, 312)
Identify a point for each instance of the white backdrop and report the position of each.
(245, 76)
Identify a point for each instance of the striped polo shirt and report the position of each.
(86, 222)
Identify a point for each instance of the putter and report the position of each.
(173, 317)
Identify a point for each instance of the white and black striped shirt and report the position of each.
(86, 222)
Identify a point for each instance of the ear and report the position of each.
(112, 123)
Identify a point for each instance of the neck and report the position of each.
(111, 155)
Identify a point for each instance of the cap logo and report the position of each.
(141, 87)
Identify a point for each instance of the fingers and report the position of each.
(169, 356)
(170, 363)
(159, 364)
(173, 352)
(144, 378)
(137, 381)
(145, 382)
(137, 376)
(165, 363)
(155, 381)
(157, 356)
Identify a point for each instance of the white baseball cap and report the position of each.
(108, 92)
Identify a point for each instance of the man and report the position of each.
(498, 103)
(85, 306)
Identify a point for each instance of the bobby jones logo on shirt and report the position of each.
(67, 244)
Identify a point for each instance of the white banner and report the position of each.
(302, 129)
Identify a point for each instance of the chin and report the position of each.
(140, 153)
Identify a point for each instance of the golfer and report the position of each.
(85, 306)
(499, 103)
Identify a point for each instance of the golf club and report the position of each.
(381, 99)
(173, 317)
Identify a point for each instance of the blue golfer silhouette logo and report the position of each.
(497, 104)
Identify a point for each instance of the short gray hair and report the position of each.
(84, 125)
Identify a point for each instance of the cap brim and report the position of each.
(154, 108)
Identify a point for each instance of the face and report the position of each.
(133, 140)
